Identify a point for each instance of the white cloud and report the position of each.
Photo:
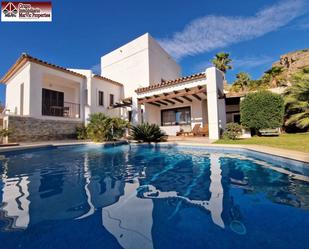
(251, 62)
(212, 32)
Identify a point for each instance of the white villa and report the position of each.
(139, 82)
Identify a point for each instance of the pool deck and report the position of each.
(203, 142)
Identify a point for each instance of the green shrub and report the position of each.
(104, 128)
(81, 133)
(4, 133)
(147, 133)
(262, 110)
(232, 131)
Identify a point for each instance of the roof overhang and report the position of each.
(127, 102)
(175, 97)
(24, 58)
(171, 83)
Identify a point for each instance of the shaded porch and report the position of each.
(176, 110)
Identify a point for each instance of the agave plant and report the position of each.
(147, 133)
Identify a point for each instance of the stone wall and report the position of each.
(27, 129)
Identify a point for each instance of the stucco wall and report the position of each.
(26, 129)
(128, 65)
(92, 87)
(139, 63)
(107, 88)
(161, 64)
(12, 100)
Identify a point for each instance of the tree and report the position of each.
(273, 77)
(296, 99)
(262, 110)
(242, 82)
(104, 128)
(222, 61)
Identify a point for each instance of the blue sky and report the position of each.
(255, 33)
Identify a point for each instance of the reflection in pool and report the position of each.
(149, 197)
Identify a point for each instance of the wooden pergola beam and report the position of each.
(166, 100)
(176, 94)
(197, 97)
(169, 101)
(187, 98)
(199, 87)
(160, 102)
(154, 104)
(178, 100)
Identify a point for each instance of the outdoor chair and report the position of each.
(193, 132)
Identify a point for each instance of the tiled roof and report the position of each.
(107, 79)
(171, 82)
(235, 94)
(25, 58)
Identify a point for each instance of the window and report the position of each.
(177, 116)
(52, 103)
(111, 99)
(236, 118)
(101, 98)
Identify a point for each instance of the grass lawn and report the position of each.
(299, 141)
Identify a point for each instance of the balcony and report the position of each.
(67, 110)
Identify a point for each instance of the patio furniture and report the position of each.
(193, 132)
(270, 132)
(203, 131)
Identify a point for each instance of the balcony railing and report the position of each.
(68, 110)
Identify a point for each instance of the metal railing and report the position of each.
(68, 110)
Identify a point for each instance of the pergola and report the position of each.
(127, 102)
(180, 96)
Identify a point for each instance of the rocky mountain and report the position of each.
(292, 63)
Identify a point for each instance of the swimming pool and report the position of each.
(89, 196)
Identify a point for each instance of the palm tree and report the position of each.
(297, 103)
(273, 77)
(242, 82)
(222, 61)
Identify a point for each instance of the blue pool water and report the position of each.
(150, 197)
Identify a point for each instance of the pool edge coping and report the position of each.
(283, 153)
(271, 151)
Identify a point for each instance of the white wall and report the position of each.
(70, 89)
(12, 100)
(108, 88)
(93, 86)
(139, 63)
(161, 64)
